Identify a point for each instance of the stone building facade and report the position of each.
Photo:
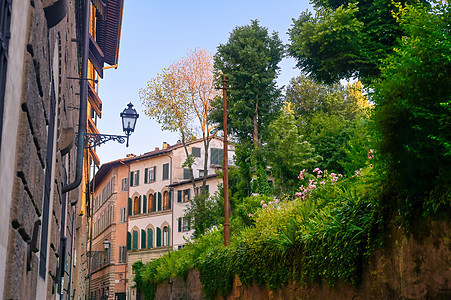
(42, 58)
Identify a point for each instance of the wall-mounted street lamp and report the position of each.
(129, 117)
(106, 244)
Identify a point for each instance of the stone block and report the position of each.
(23, 211)
(33, 105)
(15, 268)
(29, 288)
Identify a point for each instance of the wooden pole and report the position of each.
(226, 166)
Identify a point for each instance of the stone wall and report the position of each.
(406, 268)
(47, 54)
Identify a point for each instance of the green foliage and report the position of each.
(287, 151)
(324, 238)
(205, 212)
(413, 98)
(345, 39)
(249, 60)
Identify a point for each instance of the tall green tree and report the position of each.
(346, 38)
(249, 60)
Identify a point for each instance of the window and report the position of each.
(129, 241)
(201, 173)
(135, 240)
(134, 178)
(123, 214)
(165, 236)
(184, 224)
(186, 195)
(136, 206)
(165, 171)
(186, 173)
(195, 152)
(124, 184)
(216, 157)
(149, 238)
(143, 239)
(152, 172)
(158, 237)
(166, 201)
(122, 254)
(150, 203)
(5, 20)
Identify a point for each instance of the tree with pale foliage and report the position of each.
(180, 96)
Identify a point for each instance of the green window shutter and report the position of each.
(180, 224)
(159, 201)
(143, 239)
(170, 200)
(146, 175)
(186, 173)
(154, 204)
(189, 194)
(207, 188)
(129, 241)
(132, 174)
(158, 237)
(144, 204)
(137, 178)
(135, 240)
(149, 238)
(195, 152)
(130, 206)
(139, 205)
(179, 196)
(165, 171)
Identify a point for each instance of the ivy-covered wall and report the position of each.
(408, 267)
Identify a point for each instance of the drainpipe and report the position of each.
(83, 105)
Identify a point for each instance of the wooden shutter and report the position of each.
(179, 196)
(146, 175)
(154, 204)
(180, 224)
(135, 240)
(159, 201)
(137, 177)
(170, 200)
(165, 171)
(129, 241)
(149, 238)
(132, 174)
(144, 204)
(189, 194)
(139, 205)
(143, 239)
(130, 206)
(186, 173)
(158, 237)
(155, 173)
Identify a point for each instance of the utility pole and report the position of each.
(226, 164)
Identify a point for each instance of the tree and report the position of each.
(346, 39)
(181, 94)
(329, 117)
(287, 151)
(413, 104)
(249, 60)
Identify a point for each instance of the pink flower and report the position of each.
(301, 174)
(264, 205)
(339, 175)
(270, 202)
(316, 170)
(322, 182)
(261, 202)
(298, 194)
(310, 181)
(371, 151)
(333, 174)
(319, 176)
(250, 215)
(320, 172)
(276, 200)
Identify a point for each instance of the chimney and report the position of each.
(165, 145)
(156, 148)
(130, 155)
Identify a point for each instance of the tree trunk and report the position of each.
(255, 132)
(206, 146)
(190, 167)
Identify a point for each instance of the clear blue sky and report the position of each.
(156, 33)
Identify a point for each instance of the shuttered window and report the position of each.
(186, 173)
(216, 157)
(129, 241)
(124, 184)
(149, 238)
(143, 239)
(146, 175)
(130, 206)
(158, 237)
(144, 204)
(122, 254)
(135, 240)
(195, 152)
(159, 201)
(179, 196)
(165, 171)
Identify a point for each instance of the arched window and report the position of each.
(165, 200)
(150, 204)
(136, 206)
(165, 236)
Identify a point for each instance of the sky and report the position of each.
(155, 34)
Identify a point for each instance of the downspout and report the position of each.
(172, 204)
(83, 105)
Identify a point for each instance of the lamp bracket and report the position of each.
(95, 139)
